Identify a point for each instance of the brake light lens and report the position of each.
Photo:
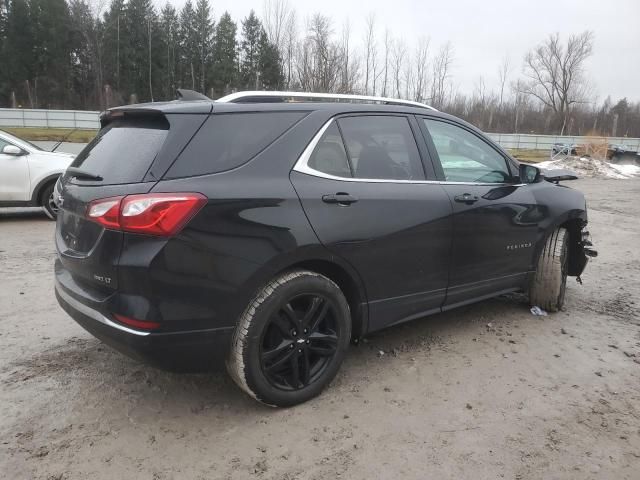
(162, 214)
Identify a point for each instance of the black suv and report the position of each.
(268, 233)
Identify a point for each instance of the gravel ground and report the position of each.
(488, 391)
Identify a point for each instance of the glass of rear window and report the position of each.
(381, 147)
(228, 140)
(123, 151)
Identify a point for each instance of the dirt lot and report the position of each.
(489, 391)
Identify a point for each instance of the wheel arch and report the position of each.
(574, 222)
(41, 185)
(348, 281)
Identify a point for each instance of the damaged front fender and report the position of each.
(579, 257)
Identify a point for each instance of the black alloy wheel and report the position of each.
(299, 341)
(291, 339)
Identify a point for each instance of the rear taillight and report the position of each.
(106, 212)
(162, 214)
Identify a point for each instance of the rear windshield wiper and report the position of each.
(82, 174)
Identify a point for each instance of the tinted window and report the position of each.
(227, 141)
(123, 151)
(329, 155)
(2, 144)
(465, 157)
(381, 147)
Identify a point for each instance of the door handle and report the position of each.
(466, 198)
(340, 198)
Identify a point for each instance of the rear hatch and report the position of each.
(131, 152)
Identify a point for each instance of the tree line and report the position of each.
(76, 55)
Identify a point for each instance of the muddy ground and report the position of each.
(489, 391)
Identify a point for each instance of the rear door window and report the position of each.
(123, 151)
(229, 140)
(381, 147)
(329, 155)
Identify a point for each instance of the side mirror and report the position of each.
(12, 150)
(529, 173)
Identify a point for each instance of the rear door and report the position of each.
(122, 156)
(364, 188)
(495, 217)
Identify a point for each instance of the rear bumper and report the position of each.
(184, 351)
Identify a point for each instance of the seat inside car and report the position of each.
(374, 162)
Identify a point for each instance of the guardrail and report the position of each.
(22, 117)
(522, 141)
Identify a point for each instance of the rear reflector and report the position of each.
(162, 214)
(135, 323)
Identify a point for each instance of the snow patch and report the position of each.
(591, 167)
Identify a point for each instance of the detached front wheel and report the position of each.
(291, 340)
(549, 283)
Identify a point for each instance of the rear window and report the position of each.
(227, 141)
(123, 151)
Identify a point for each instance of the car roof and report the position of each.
(330, 108)
(207, 106)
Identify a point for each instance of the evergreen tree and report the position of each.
(114, 37)
(225, 63)
(19, 48)
(204, 32)
(251, 33)
(170, 34)
(3, 71)
(86, 54)
(52, 51)
(188, 47)
(270, 64)
(138, 63)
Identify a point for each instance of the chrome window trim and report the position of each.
(302, 166)
(94, 314)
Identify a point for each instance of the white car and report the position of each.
(28, 174)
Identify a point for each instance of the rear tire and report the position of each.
(291, 339)
(47, 202)
(549, 283)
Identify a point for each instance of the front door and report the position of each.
(14, 176)
(370, 203)
(495, 217)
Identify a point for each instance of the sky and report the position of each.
(484, 32)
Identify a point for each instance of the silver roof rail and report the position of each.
(267, 97)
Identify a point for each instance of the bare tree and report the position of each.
(279, 22)
(555, 73)
(387, 52)
(370, 51)
(399, 53)
(348, 62)
(503, 74)
(275, 16)
(318, 64)
(420, 77)
(290, 45)
(442, 63)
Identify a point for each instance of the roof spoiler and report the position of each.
(187, 95)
